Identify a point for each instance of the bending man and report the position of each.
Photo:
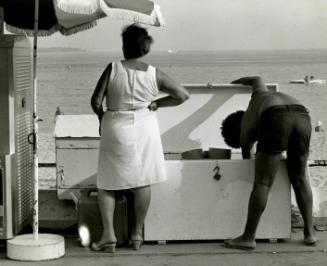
(277, 122)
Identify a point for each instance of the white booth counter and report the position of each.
(191, 204)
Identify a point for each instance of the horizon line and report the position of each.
(173, 51)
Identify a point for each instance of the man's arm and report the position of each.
(248, 136)
(255, 82)
(247, 150)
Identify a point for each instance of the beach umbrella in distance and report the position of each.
(45, 17)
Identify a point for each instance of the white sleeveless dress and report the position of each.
(131, 153)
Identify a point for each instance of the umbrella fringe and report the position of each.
(28, 32)
(79, 28)
(159, 15)
(155, 19)
(75, 7)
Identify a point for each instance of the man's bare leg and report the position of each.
(266, 166)
(296, 166)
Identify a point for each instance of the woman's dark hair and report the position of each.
(231, 129)
(136, 41)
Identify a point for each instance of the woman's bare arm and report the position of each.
(177, 94)
(100, 92)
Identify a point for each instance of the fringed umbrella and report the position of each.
(71, 16)
(43, 18)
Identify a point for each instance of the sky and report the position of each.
(217, 25)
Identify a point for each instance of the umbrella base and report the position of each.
(25, 248)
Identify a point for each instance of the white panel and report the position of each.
(7, 227)
(77, 143)
(22, 82)
(77, 126)
(191, 205)
(196, 123)
(77, 167)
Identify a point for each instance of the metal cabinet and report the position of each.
(16, 183)
(192, 205)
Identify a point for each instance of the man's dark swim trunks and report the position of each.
(284, 127)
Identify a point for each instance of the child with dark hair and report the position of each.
(277, 122)
(231, 129)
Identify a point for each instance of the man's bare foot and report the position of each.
(240, 243)
(310, 238)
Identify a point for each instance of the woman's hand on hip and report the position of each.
(100, 120)
(153, 106)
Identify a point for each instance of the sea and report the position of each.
(66, 79)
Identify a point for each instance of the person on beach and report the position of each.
(131, 155)
(277, 122)
(306, 79)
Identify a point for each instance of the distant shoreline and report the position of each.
(259, 51)
(60, 49)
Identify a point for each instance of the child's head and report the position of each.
(231, 129)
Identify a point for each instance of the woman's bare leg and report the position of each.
(142, 197)
(106, 201)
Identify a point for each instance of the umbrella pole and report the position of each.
(35, 247)
(35, 129)
(1, 20)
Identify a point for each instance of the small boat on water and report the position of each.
(302, 81)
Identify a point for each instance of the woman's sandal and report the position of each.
(109, 247)
(136, 243)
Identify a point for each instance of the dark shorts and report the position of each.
(284, 127)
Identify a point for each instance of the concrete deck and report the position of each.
(289, 252)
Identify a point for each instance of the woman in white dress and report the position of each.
(130, 155)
